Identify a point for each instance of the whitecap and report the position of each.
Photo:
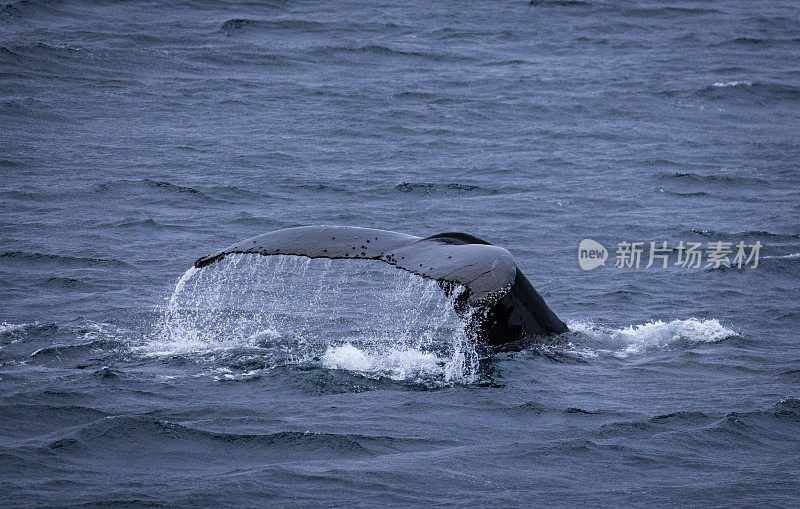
(791, 256)
(9, 328)
(647, 337)
(723, 84)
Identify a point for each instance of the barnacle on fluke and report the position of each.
(512, 307)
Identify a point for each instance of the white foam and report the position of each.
(395, 363)
(650, 336)
(732, 84)
(12, 327)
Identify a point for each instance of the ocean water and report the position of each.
(138, 136)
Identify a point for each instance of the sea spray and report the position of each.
(357, 315)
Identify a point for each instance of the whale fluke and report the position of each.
(513, 308)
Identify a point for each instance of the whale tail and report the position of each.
(512, 307)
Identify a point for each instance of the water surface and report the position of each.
(136, 137)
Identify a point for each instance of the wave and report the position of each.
(537, 408)
(715, 179)
(685, 194)
(68, 59)
(160, 438)
(791, 256)
(644, 338)
(11, 333)
(442, 189)
(214, 194)
(58, 351)
(12, 328)
(163, 184)
(325, 187)
(745, 235)
(9, 163)
(682, 417)
(62, 260)
(29, 107)
(147, 224)
(766, 42)
(80, 345)
(560, 3)
(746, 91)
(743, 92)
(630, 11)
(247, 219)
(670, 11)
(235, 193)
(241, 24)
(425, 96)
(780, 422)
(65, 282)
(28, 419)
(8, 55)
(378, 50)
(30, 10)
(145, 186)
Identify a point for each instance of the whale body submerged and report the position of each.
(511, 307)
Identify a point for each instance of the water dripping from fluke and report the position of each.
(360, 316)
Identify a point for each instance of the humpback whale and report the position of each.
(511, 308)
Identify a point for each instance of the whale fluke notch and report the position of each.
(493, 281)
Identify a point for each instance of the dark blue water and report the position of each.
(137, 136)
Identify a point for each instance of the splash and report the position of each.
(352, 315)
(641, 338)
(395, 363)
